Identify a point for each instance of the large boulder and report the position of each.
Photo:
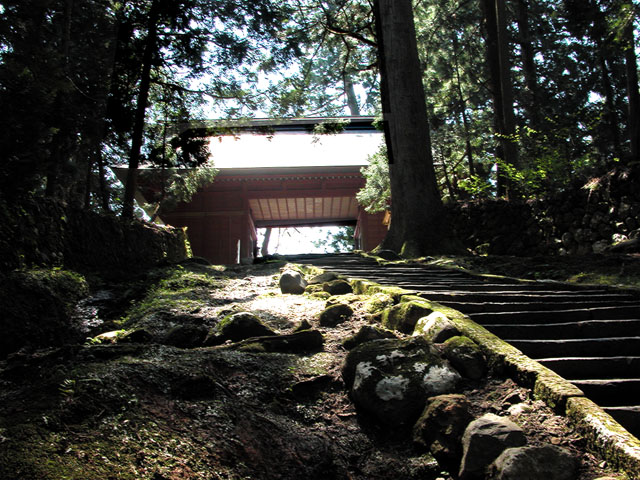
(292, 282)
(535, 462)
(484, 440)
(392, 379)
(441, 426)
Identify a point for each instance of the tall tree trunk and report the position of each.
(463, 106)
(140, 113)
(264, 249)
(610, 112)
(352, 100)
(527, 55)
(506, 86)
(631, 69)
(499, 67)
(418, 220)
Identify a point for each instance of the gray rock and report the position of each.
(466, 357)
(335, 315)
(546, 462)
(392, 379)
(243, 325)
(484, 440)
(441, 426)
(436, 327)
(337, 287)
(292, 282)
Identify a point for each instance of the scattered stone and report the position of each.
(306, 341)
(441, 426)
(367, 334)
(536, 462)
(186, 336)
(323, 278)
(391, 379)
(303, 325)
(404, 316)
(338, 287)
(292, 282)
(466, 357)
(242, 325)
(484, 440)
(436, 327)
(139, 335)
(335, 315)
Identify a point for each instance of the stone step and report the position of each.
(567, 330)
(612, 392)
(551, 304)
(627, 416)
(524, 297)
(584, 368)
(595, 347)
(554, 316)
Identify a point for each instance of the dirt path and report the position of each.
(150, 410)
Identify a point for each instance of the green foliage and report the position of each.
(340, 241)
(376, 193)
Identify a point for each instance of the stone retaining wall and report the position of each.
(45, 233)
(576, 221)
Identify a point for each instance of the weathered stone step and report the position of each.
(596, 347)
(488, 306)
(524, 297)
(552, 316)
(594, 367)
(610, 392)
(567, 330)
(627, 416)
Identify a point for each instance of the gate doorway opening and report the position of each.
(301, 240)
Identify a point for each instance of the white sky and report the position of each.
(294, 149)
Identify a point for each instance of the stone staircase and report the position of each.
(588, 335)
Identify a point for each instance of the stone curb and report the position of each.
(603, 434)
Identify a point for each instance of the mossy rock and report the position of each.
(377, 302)
(466, 357)
(323, 278)
(436, 327)
(313, 288)
(242, 325)
(335, 315)
(404, 316)
(337, 287)
(347, 299)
